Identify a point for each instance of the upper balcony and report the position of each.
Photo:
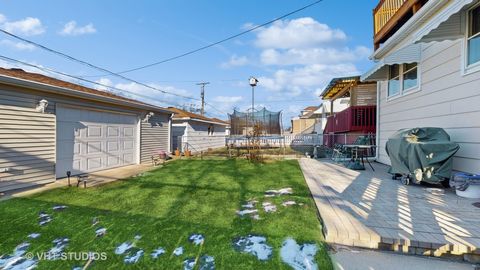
(390, 15)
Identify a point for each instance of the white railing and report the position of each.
(279, 141)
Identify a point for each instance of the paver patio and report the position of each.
(370, 210)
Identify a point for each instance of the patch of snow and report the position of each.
(100, 232)
(33, 235)
(123, 247)
(95, 221)
(254, 245)
(77, 268)
(288, 203)
(189, 264)
(299, 257)
(178, 251)
(250, 204)
(256, 217)
(133, 256)
(196, 239)
(44, 218)
(282, 191)
(138, 237)
(56, 251)
(59, 207)
(247, 212)
(18, 263)
(269, 207)
(157, 252)
(207, 263)
(21, 249)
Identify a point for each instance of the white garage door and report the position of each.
(89, 141)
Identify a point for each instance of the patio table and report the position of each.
(359, 153)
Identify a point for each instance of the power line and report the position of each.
(82, 79)
(91, 65)
(96, 83)
(98, 68)
(288, 100)
(49, 70)
(217, 42)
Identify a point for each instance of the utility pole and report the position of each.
(202, 95)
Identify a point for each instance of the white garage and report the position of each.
(49, 126)
(93, 140)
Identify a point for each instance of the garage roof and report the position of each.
(42, 80)
(186, 115)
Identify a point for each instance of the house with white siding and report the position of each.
(427, 56)
(195, 132)
(49, 126)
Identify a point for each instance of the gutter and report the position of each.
(429, 9)
(199, 120)
(38, 86)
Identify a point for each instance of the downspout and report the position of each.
(170, 141)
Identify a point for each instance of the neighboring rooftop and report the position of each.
(311, 108)
(340, 84)
(179, 113)
(42, 79)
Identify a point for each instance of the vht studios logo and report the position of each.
(66, 256)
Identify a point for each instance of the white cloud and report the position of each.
(225, 99)
(235, 61)
(309, 56)
(2, 18)
(151, 96)
(21, 46)
(299, 33)
(71, 29)
(303, 55)
(306, 79)
(28, 26)
(224, 104)
(103, 81)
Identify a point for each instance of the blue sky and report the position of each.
(293, 58)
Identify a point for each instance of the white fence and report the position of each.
(198, 143)
(328, 140)
(280, 141)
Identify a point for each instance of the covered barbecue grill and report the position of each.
(421, 154)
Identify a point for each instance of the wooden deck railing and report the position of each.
(355, 118)
(385, 11)
(389, 15)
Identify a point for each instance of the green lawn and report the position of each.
(165, 206)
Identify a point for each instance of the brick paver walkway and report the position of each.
(368, 209)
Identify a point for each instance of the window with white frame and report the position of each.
(473, 37)
(402, 78)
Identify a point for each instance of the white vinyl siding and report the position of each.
(198, 138)
(154, 136)
(447, 100)
(28, 139)
(27, 142)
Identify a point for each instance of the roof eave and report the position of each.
(198, 120)
(33, 85)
